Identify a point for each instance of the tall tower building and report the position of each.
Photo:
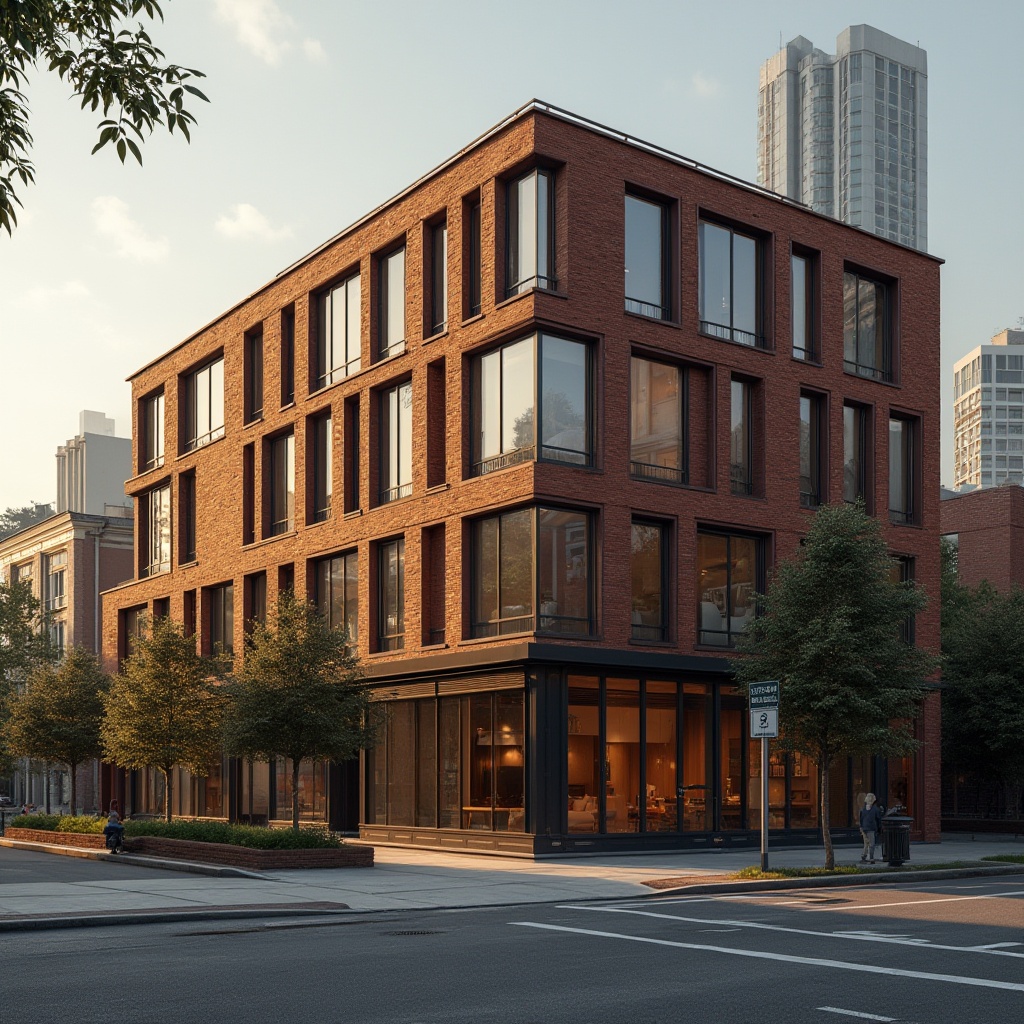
(988, 413)
(847, 133)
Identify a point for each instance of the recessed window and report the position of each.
(56, 595)
(321, 462)
(396, 443)
(811, 418)
(254, 375)
(903, 572)
(902, 504)
(391, 321)
(338, 332)
(535, 388)
(657, 439)
(531, 572)
(391, 595)
(187, 516)
(287, 355)
(648, 579)
(256, 597)
(249, 493)
(473, 282)
(647, 262)
(803, 306)
(350, 454)
(337, 592)
(867, 327)
(204, 405)
(741, 451)
(281, 451)
(439, 278)
(222, 618)
(156, 531)
(530, 249)
(730, 572)
(856, 419)
(151, 455)
(731, 289)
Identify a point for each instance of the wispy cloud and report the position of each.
(110, 216)
(246, 222)
(703, 86)
(264, 29)
(69, 291)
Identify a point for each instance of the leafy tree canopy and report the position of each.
(12, 520)
(831, 630)
(165, 709)
(23, 641)
(56, 716)
(299, 694)
(109, 60)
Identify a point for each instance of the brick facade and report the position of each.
(591, 170)
(989, 524)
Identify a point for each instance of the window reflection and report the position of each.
(648, 575)
(646, 258)
(867, 344)
(728, 575)
(530, 253)
(730, 286)
(657, 444)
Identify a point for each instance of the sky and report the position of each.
(322, 109)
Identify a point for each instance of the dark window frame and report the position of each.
(278, 524)
(639, 306)
(862, 434)
(439, 277)
(193, 439)
(254, 374)
(886, 372)
(758, 339)
(760, 574)
(322, 599)
(907, 516)
(221, 617)
(320, 460)
(187, 516)
(328, 346)
(742, 486)
(391, 435)
(653, 472)
(386, 349)
(473, 246)
(151, 548)
(152, 448)
(811, 260)
(659, 632)
(393, 640)
(515, 282)
(813, 489)
(288, 356)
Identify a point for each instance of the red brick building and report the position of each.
(540, 497)
(987, 527)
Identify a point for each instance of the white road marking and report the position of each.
(996, 945)
(894, 940)
(856, 1013)
(916, 903)
(842, 965)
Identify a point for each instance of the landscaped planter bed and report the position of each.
(208, 853)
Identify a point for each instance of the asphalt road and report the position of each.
(29, 867)
(928, 954)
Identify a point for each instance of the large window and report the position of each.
(439, 278)
(254, 375)
(730, 285)
(803, 286)
(338, 332)
(204, 405)
(811, 419)
(472, 265)
(337, 592)
(741, 449)
(156, 531)
(391, 323)
(867, 327)
(530, 250)
(855, 452)
(322, 465)
(391, 595)
(187, 516)
(729, 573)
(282, 484)
(396, 443)
(531, 572)
(647, 258)
(56, 576)
(222, 618)
(901, 470)
(657, 438)
(649, 576)
(534, 388)
(152, 432)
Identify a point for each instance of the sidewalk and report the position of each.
(401, 880)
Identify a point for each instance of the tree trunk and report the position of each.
(73, 768)
(168, 790)
(826, 819)
(46, 785)
(295, 794)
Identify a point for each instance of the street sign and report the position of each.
(764, 695)
(764, 723)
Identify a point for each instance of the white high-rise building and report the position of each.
(988, 413)
(847, 133)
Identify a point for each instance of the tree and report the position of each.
(299, 694)
(12, 520)
(56, 716)
(165, 708)
(111, 66)
(24, 643)
(831, 629)
(983, 703)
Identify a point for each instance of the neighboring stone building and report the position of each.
(69, 559)
(847, 133)
(535, 431)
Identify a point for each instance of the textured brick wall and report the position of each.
(990, 525)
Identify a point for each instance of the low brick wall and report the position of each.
(208, 853)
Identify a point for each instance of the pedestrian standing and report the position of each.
(870, 820)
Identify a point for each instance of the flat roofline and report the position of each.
(561, 114)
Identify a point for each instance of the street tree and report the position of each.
(56, 716)
(983, 698)
(164, 710)
(832, 628)
(299, 695)
(24, 643)
(102, 49)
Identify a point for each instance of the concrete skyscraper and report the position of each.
(847, 133)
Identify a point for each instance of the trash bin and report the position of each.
(896, 839)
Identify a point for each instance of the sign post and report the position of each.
(764, 723)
